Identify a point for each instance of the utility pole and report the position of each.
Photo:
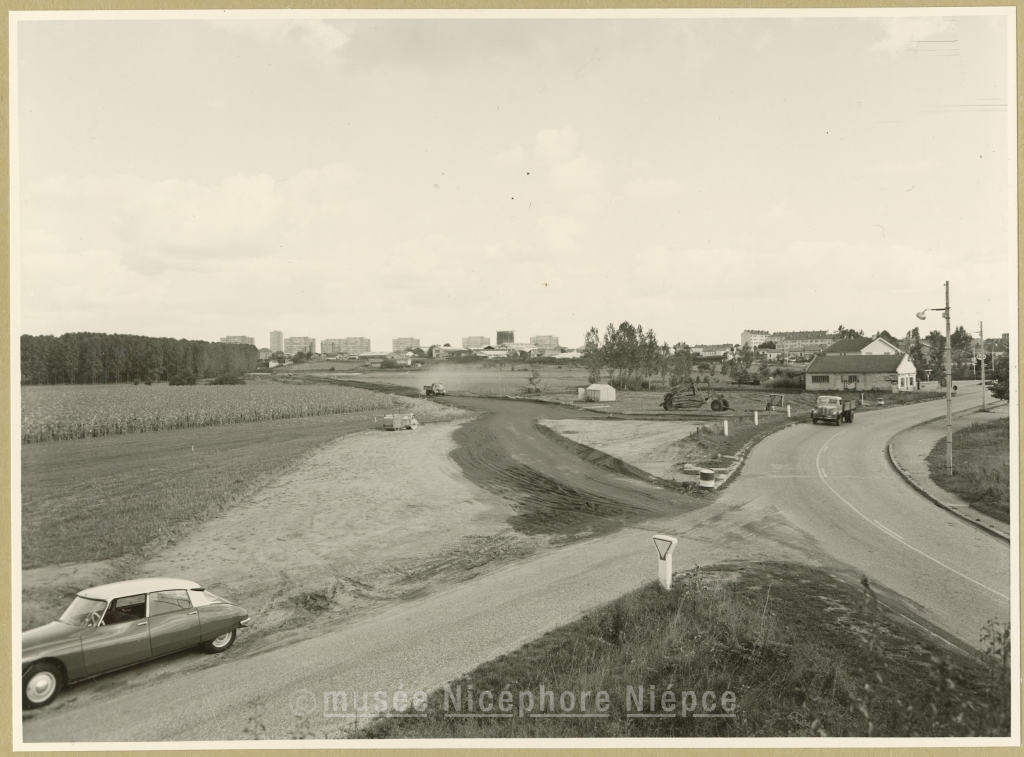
(949, 391)
(981, 332)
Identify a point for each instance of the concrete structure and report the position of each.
(829, 373)
(600, 393)
(754, 338)
(545, 342)
(265, 354)
(475, 342)
(862, 345)
(276, 341)
(404, 344)
(570, 355)
(443, 353)
(505, 337)
(295, 344)
(349, 345)
(237, 340)
(802, 343)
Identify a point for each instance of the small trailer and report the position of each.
(434, 390)
(833, 409)
(399, 421)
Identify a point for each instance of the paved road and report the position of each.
(809, 493)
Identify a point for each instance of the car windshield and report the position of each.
(828, 400)
(83, 612)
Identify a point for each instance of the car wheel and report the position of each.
(849, 418)
(220, 644)
(716, 405)
(41, 685)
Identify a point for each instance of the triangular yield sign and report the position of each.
(664, 544)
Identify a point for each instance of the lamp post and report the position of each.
(949, 383)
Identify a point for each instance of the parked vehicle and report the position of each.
(121, 624)
(690, 397)
(434, 390)
(399, 421)
(833, 409)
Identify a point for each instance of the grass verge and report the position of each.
(800, 652)
(981, 467)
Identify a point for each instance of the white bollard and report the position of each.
(726, 425)
(755, 417)
(787, 412)
(707, 479)
(665, 545)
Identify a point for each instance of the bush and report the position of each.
(185, 378)
(226, 379)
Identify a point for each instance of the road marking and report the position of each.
(880, 527)
(888, 531)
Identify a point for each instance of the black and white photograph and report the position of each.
(514, 378)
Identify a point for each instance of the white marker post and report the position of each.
(755, 417)
(787, 412)
(665, 545)
(725, 427)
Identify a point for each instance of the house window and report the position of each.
(851, 379)
(819, 379)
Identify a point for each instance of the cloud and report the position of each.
(321, 38)
(556, 144)
(176, 224)
(579, 176)
(653, 189)
(511, 159)
(914, 34)
(557, 234)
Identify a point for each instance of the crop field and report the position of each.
(52, 413)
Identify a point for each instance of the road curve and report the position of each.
(810, 493)
(837, 486)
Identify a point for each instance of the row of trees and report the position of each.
(90, 358)
(633, 357)
(928, 353)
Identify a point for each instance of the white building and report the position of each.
(237, 340)
(475, 342)
(861, 373)
(296, 344)
(545, 342)
(754, 338)
(276, 341)
(404, 344)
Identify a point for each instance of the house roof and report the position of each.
(849, 345)
(855, 363)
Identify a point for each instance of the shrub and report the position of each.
(228, 379)
(185, 378)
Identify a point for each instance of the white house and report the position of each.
(600, 393)
(570, 355)
(861, 373)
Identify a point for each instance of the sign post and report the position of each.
(665, 545)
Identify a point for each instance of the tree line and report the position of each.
(92, 358)
(632, 357)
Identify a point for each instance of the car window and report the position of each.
(162, 602)
(125, 609)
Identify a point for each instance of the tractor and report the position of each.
(690, 397)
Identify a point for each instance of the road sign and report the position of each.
(665, 545)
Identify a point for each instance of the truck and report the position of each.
(434, 390)
(690, 397)
(833, 409)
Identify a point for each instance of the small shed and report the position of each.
(601, 393)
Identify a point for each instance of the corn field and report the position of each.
(52, 413)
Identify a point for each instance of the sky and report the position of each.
(446, 177)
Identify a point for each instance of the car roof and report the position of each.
(136, 586)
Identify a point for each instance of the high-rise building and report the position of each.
(237, 340)
(349, 345)
(276, 341)
(506, 337)
(475, 342)
(545, 342)
(404, 344)
(294, 344)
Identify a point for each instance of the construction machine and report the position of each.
(691, 397)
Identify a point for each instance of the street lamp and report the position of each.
(949, 384)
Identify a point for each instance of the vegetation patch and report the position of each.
(51, 413)
(96, 499)
(787, 650)
(981, 467)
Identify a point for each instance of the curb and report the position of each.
(928, 495)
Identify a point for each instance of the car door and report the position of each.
(173, 622)
(121, 639)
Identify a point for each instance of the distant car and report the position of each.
(121, 624)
